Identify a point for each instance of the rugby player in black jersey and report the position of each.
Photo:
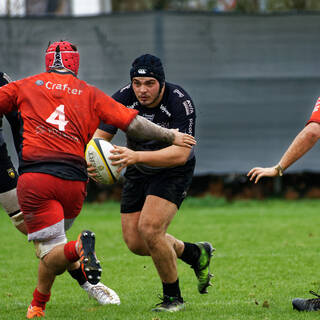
(8, 174)
(158, 176)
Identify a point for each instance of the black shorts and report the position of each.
(8, 174)
(170, 184)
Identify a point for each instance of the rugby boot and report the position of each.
(90, 265)
(170, 304)
(35, 312)
(307, 304)
(101, 293)
(201, 268)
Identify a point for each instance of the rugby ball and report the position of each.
(98, 153)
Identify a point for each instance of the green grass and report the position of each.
(266, 251)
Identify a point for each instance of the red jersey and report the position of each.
(315, 116)
(59, 114)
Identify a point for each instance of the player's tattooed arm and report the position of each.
(143, 129)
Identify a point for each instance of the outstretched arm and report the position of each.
(143, 129)
(302, 143)
(167, 157)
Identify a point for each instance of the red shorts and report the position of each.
(47, 201)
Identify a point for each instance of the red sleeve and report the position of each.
(8, 97)
(112, 112)
(315, 116)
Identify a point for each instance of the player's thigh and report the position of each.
(72, 195)
(133, 195)
(43, 203)
(156, 214)
(129, 223)
(171, 185)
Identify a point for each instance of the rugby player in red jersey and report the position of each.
(301, 144)
(59, 114)
(9, 200)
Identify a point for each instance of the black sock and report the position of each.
(171, 289)
(78, 275)
(190, 254)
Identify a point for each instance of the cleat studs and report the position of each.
(93, 234)
(87, 269)
(98, 261)
(85, 259)
(85, 234)
(90, 277)
(210, 284)
(100, 270)
(98, 277)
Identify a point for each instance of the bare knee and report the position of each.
(150, 233)
(56, 270)
(135, 244)
(134, 247)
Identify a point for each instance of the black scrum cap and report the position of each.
(148, 65)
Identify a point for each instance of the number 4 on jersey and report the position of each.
(58, 118)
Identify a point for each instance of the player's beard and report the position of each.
(153, 101)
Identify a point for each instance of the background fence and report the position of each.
(254, 79)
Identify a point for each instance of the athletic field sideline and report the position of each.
(268, 252)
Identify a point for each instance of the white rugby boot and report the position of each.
(101, 293)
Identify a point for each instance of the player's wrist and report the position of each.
(279, 169)
(138, 156)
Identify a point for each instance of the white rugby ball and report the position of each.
(98, 153)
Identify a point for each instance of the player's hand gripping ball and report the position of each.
(97, 153)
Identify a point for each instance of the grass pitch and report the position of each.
(267, 253)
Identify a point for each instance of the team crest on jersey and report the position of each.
(39, 82)
(11, 173)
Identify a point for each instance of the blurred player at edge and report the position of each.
(302, 143)
(8, 174)
(59, 114)
(9, 201)
(157, 179)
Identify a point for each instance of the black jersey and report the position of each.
(175, 111)
(1, 132)
(14, 122)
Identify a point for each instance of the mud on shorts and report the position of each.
(171, 184)
(49, 204)
(8, 174)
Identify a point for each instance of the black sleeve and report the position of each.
(14, 122)
(184, 116)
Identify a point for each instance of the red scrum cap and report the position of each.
(62, 54)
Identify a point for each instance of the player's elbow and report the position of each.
(103, 135)
(181, 159)
(312, 132)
